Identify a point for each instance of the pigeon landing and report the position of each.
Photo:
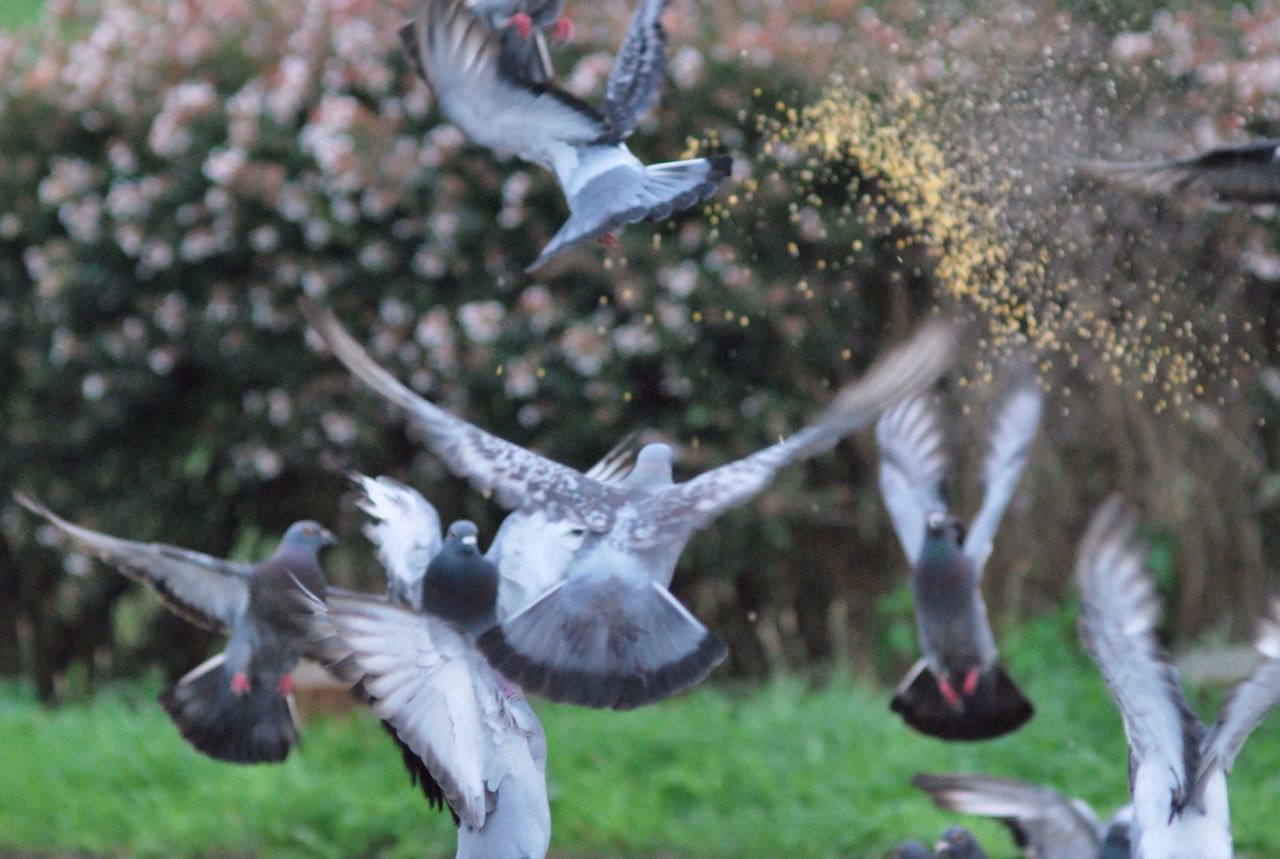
(605, 185)
(610, 634)
(1177, 771)
(957, 691)
(236, 706)
(1248, 173)
(1044, 823)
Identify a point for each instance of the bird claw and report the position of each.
(284, 688)
(949, 693)
(970, 684)
(239, 683)
(561, 31)
(522, 23)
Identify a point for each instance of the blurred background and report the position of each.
(174, 175)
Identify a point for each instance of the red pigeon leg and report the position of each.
(609, 241)
(561, 30)
(523, 24)
(949, 693)
(285, 687)
(239, 683)
(970, 684)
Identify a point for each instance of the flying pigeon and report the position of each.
(1044, 823)
(605, 185)
(238, 705)
(460, 585)
(959, 843)
(1177, 770)
(1247, 173)
(611, 634)
(956, 691)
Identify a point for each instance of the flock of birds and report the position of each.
(571, 602)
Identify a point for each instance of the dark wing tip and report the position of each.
(996, 709)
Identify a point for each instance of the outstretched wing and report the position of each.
(406, 531)
(1248, 173)
(913, 467)
(637, 70)
(1044, 823)
(1248, 705)
(517, 478)
(1118, 611)
(671, 514)
(206, 591)
(1011, 437)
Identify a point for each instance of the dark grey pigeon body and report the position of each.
(911, 850)
(1248, 173)
(610, 634)
(957, 691)
(496, 106)
(461, 585)
(959, 843)
(236, 706)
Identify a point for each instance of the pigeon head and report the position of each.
(307, 535)
(652, 468)
(959, 843)
(463, 534)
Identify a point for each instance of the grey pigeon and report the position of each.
(1247, 173)
(957, 691)
(611, 634)
(238, 705)
(959, 843)
(460, 585)
(911, 850)
(605, 185)
(1044, 823)
(1177, 770)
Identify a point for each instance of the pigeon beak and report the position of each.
(469, 540)
(327, 538)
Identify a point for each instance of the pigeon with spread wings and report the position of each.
(957, 691)
(1246, 173)
(605, 185)
(236, 706)
(1177, 770)
(611, 634)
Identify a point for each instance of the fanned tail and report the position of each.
(996, 708)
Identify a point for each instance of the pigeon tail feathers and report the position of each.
(603, 642)
(996, 708)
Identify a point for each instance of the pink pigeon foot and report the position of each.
(949, 693)
(609, 242)
(970, 684)
(561, 30)
(523, 24)
(239, 683)
(285, 687)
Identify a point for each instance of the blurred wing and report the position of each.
(1118, 611)
(617, 463)
(673, 513)
(206, 591)
(1249, 173)
(1011, 437)
(1044, 823)
(1248, 705)
(406, 531)
(517, 478)
(637, 70)
(913, 467)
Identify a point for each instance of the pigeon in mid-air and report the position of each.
(1246, 173)
(1044, 823)
(959, 843)
(610, 634)
(1177, 769)
(605, 185)
(237, 706)
(957, 691)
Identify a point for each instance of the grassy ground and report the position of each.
(774, 771)
(19, 13)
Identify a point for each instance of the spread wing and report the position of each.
(637, 70)
(671, 514)
(1248, 705)
(209, 592)
(1044, 823)
(1118, 612)
(517, 478)
(1248, 173)
(913, 467)
(425, 679)
(1011, 437)
(406, 531)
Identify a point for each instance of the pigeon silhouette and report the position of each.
(237, 706)
(957, 691)
(1247, 173)
(498, 107)
(611, 634)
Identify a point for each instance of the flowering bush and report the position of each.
(173, 175)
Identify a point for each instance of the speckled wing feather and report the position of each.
(1118, 612)
(517, 478)
(1044, 823)
(405, 531)
(209, 592)
(913, 468)
(637, 70)
(1248, 173)
(1248, 705)
(672, 514)
(1011, 436)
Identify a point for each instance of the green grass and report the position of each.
(779, 770)
(19, 13)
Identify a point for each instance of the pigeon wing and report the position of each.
(1248, 173)
(913, 466)
(1044, 823)
(637, 70)
(405, 531)
(1011, 437)
(209, 592)
(673, 513)
(516, 478)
